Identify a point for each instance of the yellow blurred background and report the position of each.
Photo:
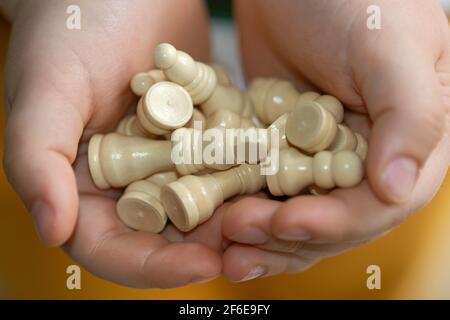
(414, 260)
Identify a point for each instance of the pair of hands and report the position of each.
(65, 85)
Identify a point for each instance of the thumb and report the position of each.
(404, 101)
(42, 134)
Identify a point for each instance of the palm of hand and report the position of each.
(360, 68)
(87, 74)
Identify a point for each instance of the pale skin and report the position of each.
(63, 86)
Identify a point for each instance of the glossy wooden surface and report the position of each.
(414, 259)
(325, 169)
(192, 200)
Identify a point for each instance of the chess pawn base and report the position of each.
(165, 107)
(310, 127)
(140, 207)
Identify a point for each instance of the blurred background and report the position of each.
(414, 258)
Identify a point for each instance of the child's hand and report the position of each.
(397, 78)
(63, 86)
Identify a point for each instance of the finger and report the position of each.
(404, 102)
(42, 134)
(103, 245)
(85, 183)
(209, 233)
(267, 62)
(248, 221)
(244, 263)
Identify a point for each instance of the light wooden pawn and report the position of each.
(116, 160)
(280, 125)
(186, 143)
(273, 97)
(234, 148)
(165, 107)
(326, 170)
(222, 76)
(140, 206)
(201, 83)
(311, 128)
(191, 200)
(142, 81)
(224, 118)
(130, 126)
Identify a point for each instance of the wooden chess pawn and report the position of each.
(130, 126)
(311, 128)
(142, 81)
(140, 206)
(224, 118)
(116, 160)
(280, 125)
(221, 74)
(272, 97)
(198, 116)
(201, 83)
(325, 169)
(225, 151)
(165, 107)
(191, 200)
(191, 141)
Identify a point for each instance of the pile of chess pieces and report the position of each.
(317, 152)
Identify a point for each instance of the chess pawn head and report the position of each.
(191, 200)
(165, 107)
(361, 146)
(116, 160)
(326, 170)
(140, 207)
(310, 127)
(345, 139)
(142, 81)
(197, 78)
(130, 126)
(226, 97)
(272, 98)
(221, 74)
(224, 118)
(307, 96)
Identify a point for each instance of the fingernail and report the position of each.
(250, 235)
(295, 235)
(203, 280)
(43, 217)
(254, 273)
(399, 179)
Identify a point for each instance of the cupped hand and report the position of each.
(63, 86)
(395, 82)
